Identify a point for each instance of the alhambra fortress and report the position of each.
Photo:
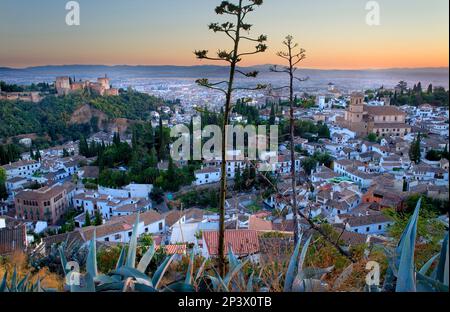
(65, 85)
(381, 120)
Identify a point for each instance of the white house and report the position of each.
(369, 224)
(207, 175)
(22, 168)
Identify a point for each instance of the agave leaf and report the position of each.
(3, 286)
(343, 276)
(13, 285)
(290, 274)
(201, 269)
(406, 269)
(250, 283)
(144, 288)
(316, 273)
(91, 261)
(161, 270)
(308, 285)
(63, 258)
(218, 282)
(104, 279)
(121, 259)
(427, 284)
(131, 257)
(137, 275)
(23, 283)
(234, 261)
(146, 258)
(233, 272)
(90, 284)
(179, 288)
(114, 287)
(190, 270)
(442, 268)
(303, 254)
(426, 267)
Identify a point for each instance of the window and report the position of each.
(130, 233)
(107, 239)
(367, 229)
(117, 236)
(356, 230)
(380, 227)
(146, 230)
(160, 226)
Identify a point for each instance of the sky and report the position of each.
(412, 33)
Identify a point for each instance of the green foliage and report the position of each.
(87, 219)
(372, 137)
(402, 275)
(414, 151)
(300, 279)
(207, 199)
(52, 115)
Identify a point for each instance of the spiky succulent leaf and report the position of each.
(303, 255)
(190, 269)
(13, 285)
(161, 270)
(131, 257)
(63, 258)
(428, 284)
(3, 286)
(250, 283)
(442, 268)
(91, 262)
(316, 273)
(290, 274)
(23, 283)
(201, 269)
(147, 258)
(121, 259)
(233, 272)
(426, 267)
(179, 288)
(405, 251)
(138, 276)
(308, 285)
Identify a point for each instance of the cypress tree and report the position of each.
(87, 219)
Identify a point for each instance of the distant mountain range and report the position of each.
(318, 77)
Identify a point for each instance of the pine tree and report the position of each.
(272, 118)
(37, 155)
(98, 219)
(153, 162)
(162, 142)
(430, 89)
(87, 219)
(414, 151)
(238, 180)
(65, 153)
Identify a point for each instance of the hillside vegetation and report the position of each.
(52, 116)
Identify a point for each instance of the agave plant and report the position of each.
(234, 280)
(73, 250)
(300, 279)
(127, 276)
(22, 285)
(402, 275)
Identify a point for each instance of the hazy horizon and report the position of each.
(411, 34)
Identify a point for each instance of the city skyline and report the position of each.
(411, 34)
